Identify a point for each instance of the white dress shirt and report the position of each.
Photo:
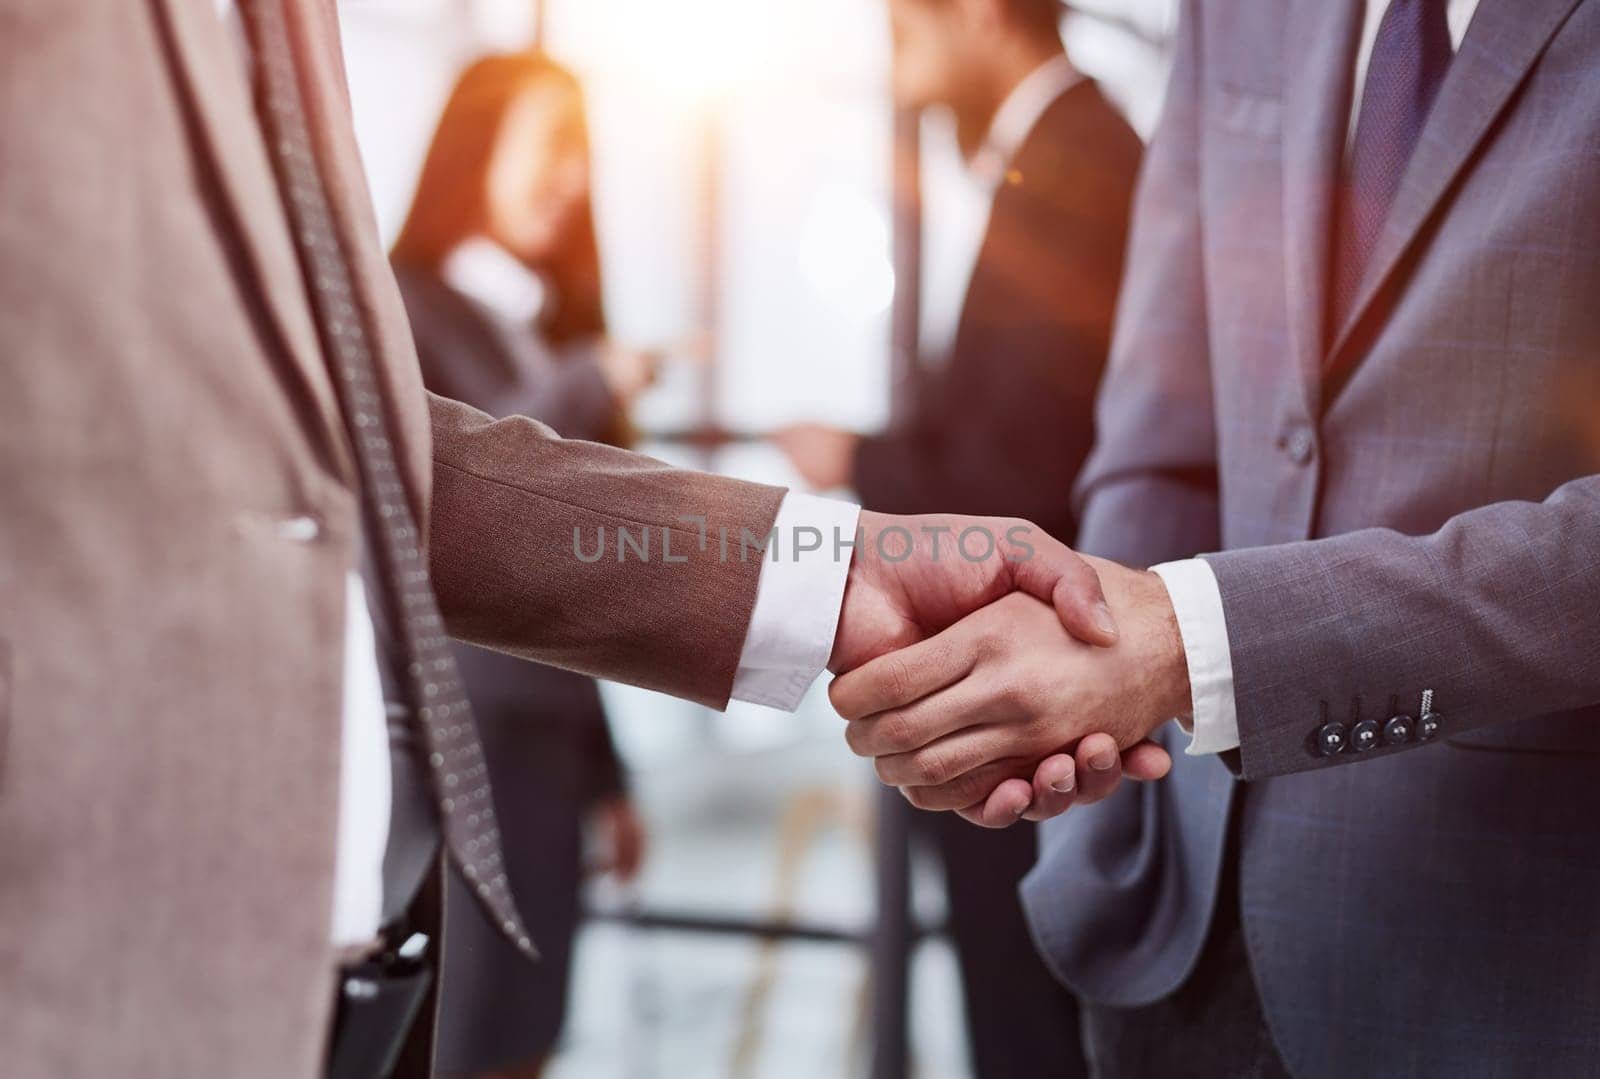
(959, 203)
(1192, 586)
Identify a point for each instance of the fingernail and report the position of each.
(1018, 812)
(1102, 762)
(1064, 785)
(1103, 620)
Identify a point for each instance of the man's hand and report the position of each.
(628, 372)
(912, 577)
(824, 456)
(974, 718)
(624, 837)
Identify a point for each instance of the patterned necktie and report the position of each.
(1409, 60)
(439, 708)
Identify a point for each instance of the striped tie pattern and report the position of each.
(439, 709)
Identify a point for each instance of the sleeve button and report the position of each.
(1428, 726)
(1366, 735)
(1300, 446)
(1331, 739)
(1397, 730)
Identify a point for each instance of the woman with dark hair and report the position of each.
(500, 271)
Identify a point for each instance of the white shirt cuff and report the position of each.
(1197, 602)
(797, 601)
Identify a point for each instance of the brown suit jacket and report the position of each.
(178, 511)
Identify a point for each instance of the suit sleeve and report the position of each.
(1498, 613)
(1149, 491)
(590, 558)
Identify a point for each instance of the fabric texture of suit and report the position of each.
(1002, 426)
(1407, 504)
(180, 517)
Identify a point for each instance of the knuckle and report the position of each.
(924, 767)
(897, 679)
(1012, 691)
(1029, 684)
(936, 766)
(895, 732)
(964, 789)
(1038, 730)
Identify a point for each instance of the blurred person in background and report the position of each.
(1005, 421)
(499, 269)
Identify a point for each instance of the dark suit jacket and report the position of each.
(1003, 426)
(1409, 502)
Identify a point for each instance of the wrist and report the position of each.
(1170, 659)
(1144, 609)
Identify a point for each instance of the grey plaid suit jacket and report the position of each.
(1401, 503)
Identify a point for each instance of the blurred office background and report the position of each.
(743, 195)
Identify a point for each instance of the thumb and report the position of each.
(1049, 570)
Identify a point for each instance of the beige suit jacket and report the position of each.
(178, 512)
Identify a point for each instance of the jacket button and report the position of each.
(1299, 446)
(1428, 725)
(1397, 730)
(300, 529)
(1366, 735)
(1331, 739)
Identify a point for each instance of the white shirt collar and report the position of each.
(1017, 115)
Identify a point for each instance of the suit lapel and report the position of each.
(314, 35)
(1501, 46)
(211, 75)
(1320, 46)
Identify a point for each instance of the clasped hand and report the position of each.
(1014, 685)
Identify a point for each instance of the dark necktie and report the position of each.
(1409, 60)
(442, 719)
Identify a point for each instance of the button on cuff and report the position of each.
(1299, 446)
(302, 529)
(1397, 730)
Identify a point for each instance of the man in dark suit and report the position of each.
(1006, 418)
(1357, 357)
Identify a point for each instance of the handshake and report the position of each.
(991, 670)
